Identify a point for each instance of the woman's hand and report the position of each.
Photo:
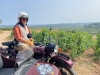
(32, 41)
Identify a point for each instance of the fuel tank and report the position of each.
(43, 68)
(39, 51)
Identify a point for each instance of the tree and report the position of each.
(0, 21)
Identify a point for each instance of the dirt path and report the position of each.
(3, 36)
(84, 65)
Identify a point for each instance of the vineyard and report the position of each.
(73, 42)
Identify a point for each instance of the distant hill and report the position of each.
(93, 25)
(51, 25)
(61, 25)
(88, 27)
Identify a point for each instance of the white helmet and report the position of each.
(23, 15)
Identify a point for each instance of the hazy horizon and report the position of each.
(56, 23)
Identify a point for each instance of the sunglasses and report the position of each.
(24, 19)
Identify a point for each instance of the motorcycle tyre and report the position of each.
(70, 70)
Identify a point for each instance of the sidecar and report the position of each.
(16, 66)
(6, 65)
(25, 64)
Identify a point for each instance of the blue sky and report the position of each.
(50, 11)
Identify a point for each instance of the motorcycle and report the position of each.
(47, 60)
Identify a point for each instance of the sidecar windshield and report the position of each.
(22, 55)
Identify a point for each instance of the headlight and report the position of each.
(56, 49)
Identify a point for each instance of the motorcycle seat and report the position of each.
(7, 71)
(9, 43)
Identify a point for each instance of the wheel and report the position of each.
(65, 70)
(68, 71)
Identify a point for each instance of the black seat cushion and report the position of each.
(7, 43)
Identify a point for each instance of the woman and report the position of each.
(21, 31)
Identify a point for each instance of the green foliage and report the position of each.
(74, 42)
(77, 42)
(11, 37)
(97, 51)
